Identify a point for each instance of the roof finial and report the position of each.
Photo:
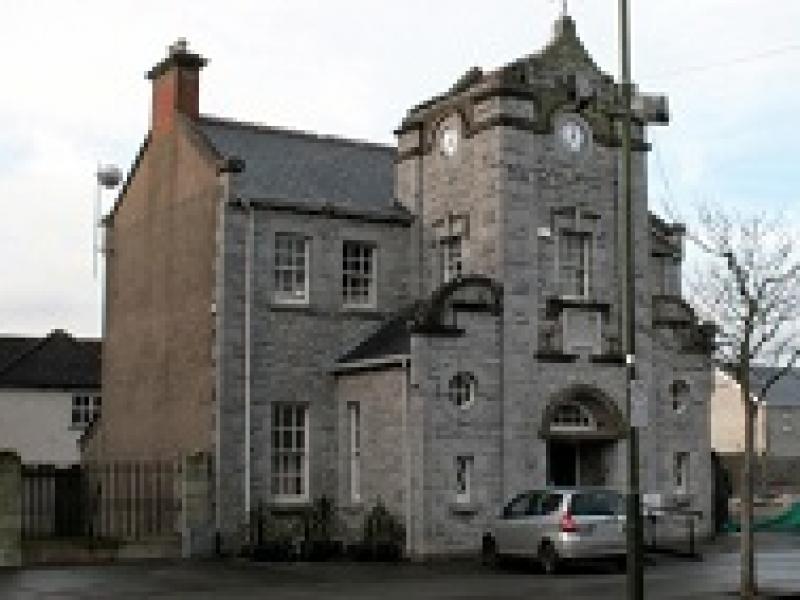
(565, 8)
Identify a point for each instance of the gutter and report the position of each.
(392, 360)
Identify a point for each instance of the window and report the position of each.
(289, 451)
(452, 258)
(291, 267)
(679, 393)
(85, 409)
(598, 504)
(571, 416)
(681, 472)
(354, 415)
(463, 479)
(462, 389)
(574, 263)
(358, 274)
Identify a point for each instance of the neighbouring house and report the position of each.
(777, 423)
(49, 394)
(435, 324)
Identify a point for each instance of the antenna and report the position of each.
(108, 177)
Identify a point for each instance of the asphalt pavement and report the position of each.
(666, 578)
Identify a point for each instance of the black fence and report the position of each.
(126, 500)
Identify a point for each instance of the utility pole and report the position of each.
(633, 520)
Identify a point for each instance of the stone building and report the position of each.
(435, 324)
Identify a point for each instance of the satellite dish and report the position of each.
(109, 176)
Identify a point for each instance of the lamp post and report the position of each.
(633, 521)
(108, 178)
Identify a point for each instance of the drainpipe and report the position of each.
(248, 300)
(407, 451)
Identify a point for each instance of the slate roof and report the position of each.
(393, 337)
(56, 361)
(785, 392)
(282, 164)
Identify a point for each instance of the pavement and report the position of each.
(666, 578)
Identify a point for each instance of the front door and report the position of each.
(575, 463)
(562, 464)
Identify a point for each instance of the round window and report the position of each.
(462, 389)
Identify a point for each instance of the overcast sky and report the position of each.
(74, 94)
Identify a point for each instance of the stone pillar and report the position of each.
(197, 522)
(10, 509)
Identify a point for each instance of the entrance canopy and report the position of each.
(582, 412)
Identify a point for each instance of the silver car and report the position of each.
(558, 524)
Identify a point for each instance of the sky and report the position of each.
(74, 94)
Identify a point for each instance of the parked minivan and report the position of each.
(553, 525)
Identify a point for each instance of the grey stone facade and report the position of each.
(509, 192)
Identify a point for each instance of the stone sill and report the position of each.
(463, 508)
(289, 507)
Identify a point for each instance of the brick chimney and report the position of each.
(176, 87)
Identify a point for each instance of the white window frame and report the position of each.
(371, 279)
(452, 255)
(462, 389)
(681, 463)
(464, 466)
(585, 262)
(293, 296)
(87, 407)
(280, 478)
(354, 421)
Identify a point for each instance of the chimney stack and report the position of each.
(176, 87)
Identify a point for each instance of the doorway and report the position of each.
(576, 463)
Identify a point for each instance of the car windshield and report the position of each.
(598, 503)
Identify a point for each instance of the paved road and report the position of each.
(668, 578)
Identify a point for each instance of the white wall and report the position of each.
(38, 425)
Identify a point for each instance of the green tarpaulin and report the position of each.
(787, 521)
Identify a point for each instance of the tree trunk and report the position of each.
(748, 583)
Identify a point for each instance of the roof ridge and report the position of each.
(322, 137)
(26, 353)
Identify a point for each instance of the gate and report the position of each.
(53, 501)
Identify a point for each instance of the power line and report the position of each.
(779, 51)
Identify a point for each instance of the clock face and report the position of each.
(449, 141)
(573, 136)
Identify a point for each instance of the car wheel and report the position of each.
(548, 559)
(489, 551)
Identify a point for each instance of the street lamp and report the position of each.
(108, 178)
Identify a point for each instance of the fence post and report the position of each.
(10, 509)
(197, 531)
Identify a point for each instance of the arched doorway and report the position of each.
(582, 427)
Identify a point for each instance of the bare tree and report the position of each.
(747, 283)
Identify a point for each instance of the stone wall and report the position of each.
(381, 397)
(440, 431)
(292, 348)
